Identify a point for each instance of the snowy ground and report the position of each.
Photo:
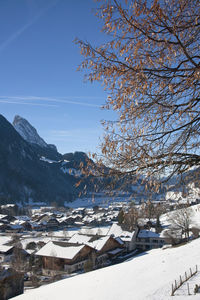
(103, 201)
(146, 276)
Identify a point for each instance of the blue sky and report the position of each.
(38, 77)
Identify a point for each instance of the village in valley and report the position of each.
(43, 244)
(102, 200)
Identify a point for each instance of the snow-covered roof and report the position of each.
(60, 250)
(2, 216)
(23, 218)
(117, 231)
(99, 244)
(148, 234)
(15, 226)
(94, 230)
(4, 248)
(64, 233)
(8, 205)
(79, 238)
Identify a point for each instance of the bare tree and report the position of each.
(149, 210)
(130, 220)
(171, 236)
(181, 219)
(19, 261)
(150, 66)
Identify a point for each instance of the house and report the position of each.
(48, 221)
(26, 225)
(52, 223)
(148, 239)
(104, 247)
(61, 257)
(129, 238)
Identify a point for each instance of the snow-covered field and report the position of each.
(104, 201)
(146, 276)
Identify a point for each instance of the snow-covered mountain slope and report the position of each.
(146, 277)
(29, 133)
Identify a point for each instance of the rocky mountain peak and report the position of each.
(28, 132)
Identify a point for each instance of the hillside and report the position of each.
(24, 176)
(147, 276)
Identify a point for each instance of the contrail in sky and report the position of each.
(66, 100)
(16, 34)
(27, 103)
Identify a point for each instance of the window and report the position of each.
(155, 241)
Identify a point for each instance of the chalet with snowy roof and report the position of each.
(49, 221)
(26, 225)
(62, 221)
(149, 239)
(105, 247)
(129, 238)
(78, 238)
(64, 257)
(71, 220)
(52, 223)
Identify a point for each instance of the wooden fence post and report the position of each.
(188, 288)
